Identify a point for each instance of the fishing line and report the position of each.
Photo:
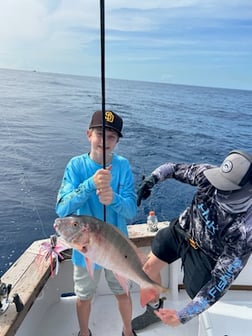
(24, 181)
(102, 39)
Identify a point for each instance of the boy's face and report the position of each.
(95, 137)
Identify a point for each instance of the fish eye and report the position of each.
(75, 224)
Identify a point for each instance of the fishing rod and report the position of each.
(102, 39)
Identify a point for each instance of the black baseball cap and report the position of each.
(112, 120)
(233, 174)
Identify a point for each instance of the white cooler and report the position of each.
(227, 319)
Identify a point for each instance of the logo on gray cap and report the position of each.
(227, 166)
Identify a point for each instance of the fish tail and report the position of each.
(149, 294)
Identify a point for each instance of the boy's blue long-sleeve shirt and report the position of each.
(77, 194)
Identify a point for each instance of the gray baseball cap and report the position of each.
(234, 172)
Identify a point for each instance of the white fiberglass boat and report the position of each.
(49, 302)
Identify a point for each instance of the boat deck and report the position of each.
(54, 314)
(49, 302)
(104, 321)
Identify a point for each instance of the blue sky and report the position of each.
(194, 42)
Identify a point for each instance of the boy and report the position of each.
(86, 188)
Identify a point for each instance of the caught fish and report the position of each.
(104, 244)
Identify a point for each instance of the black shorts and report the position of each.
(167, 242)
(170, 244)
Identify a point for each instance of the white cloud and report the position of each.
(64, 35)
(21, 20)
(31, 20)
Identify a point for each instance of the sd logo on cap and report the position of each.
(112, 120)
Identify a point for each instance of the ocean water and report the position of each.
(44, 117)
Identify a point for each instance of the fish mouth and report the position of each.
(56, 226)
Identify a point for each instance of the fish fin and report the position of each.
(148, 294)
(90, 267)
(123, 282)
